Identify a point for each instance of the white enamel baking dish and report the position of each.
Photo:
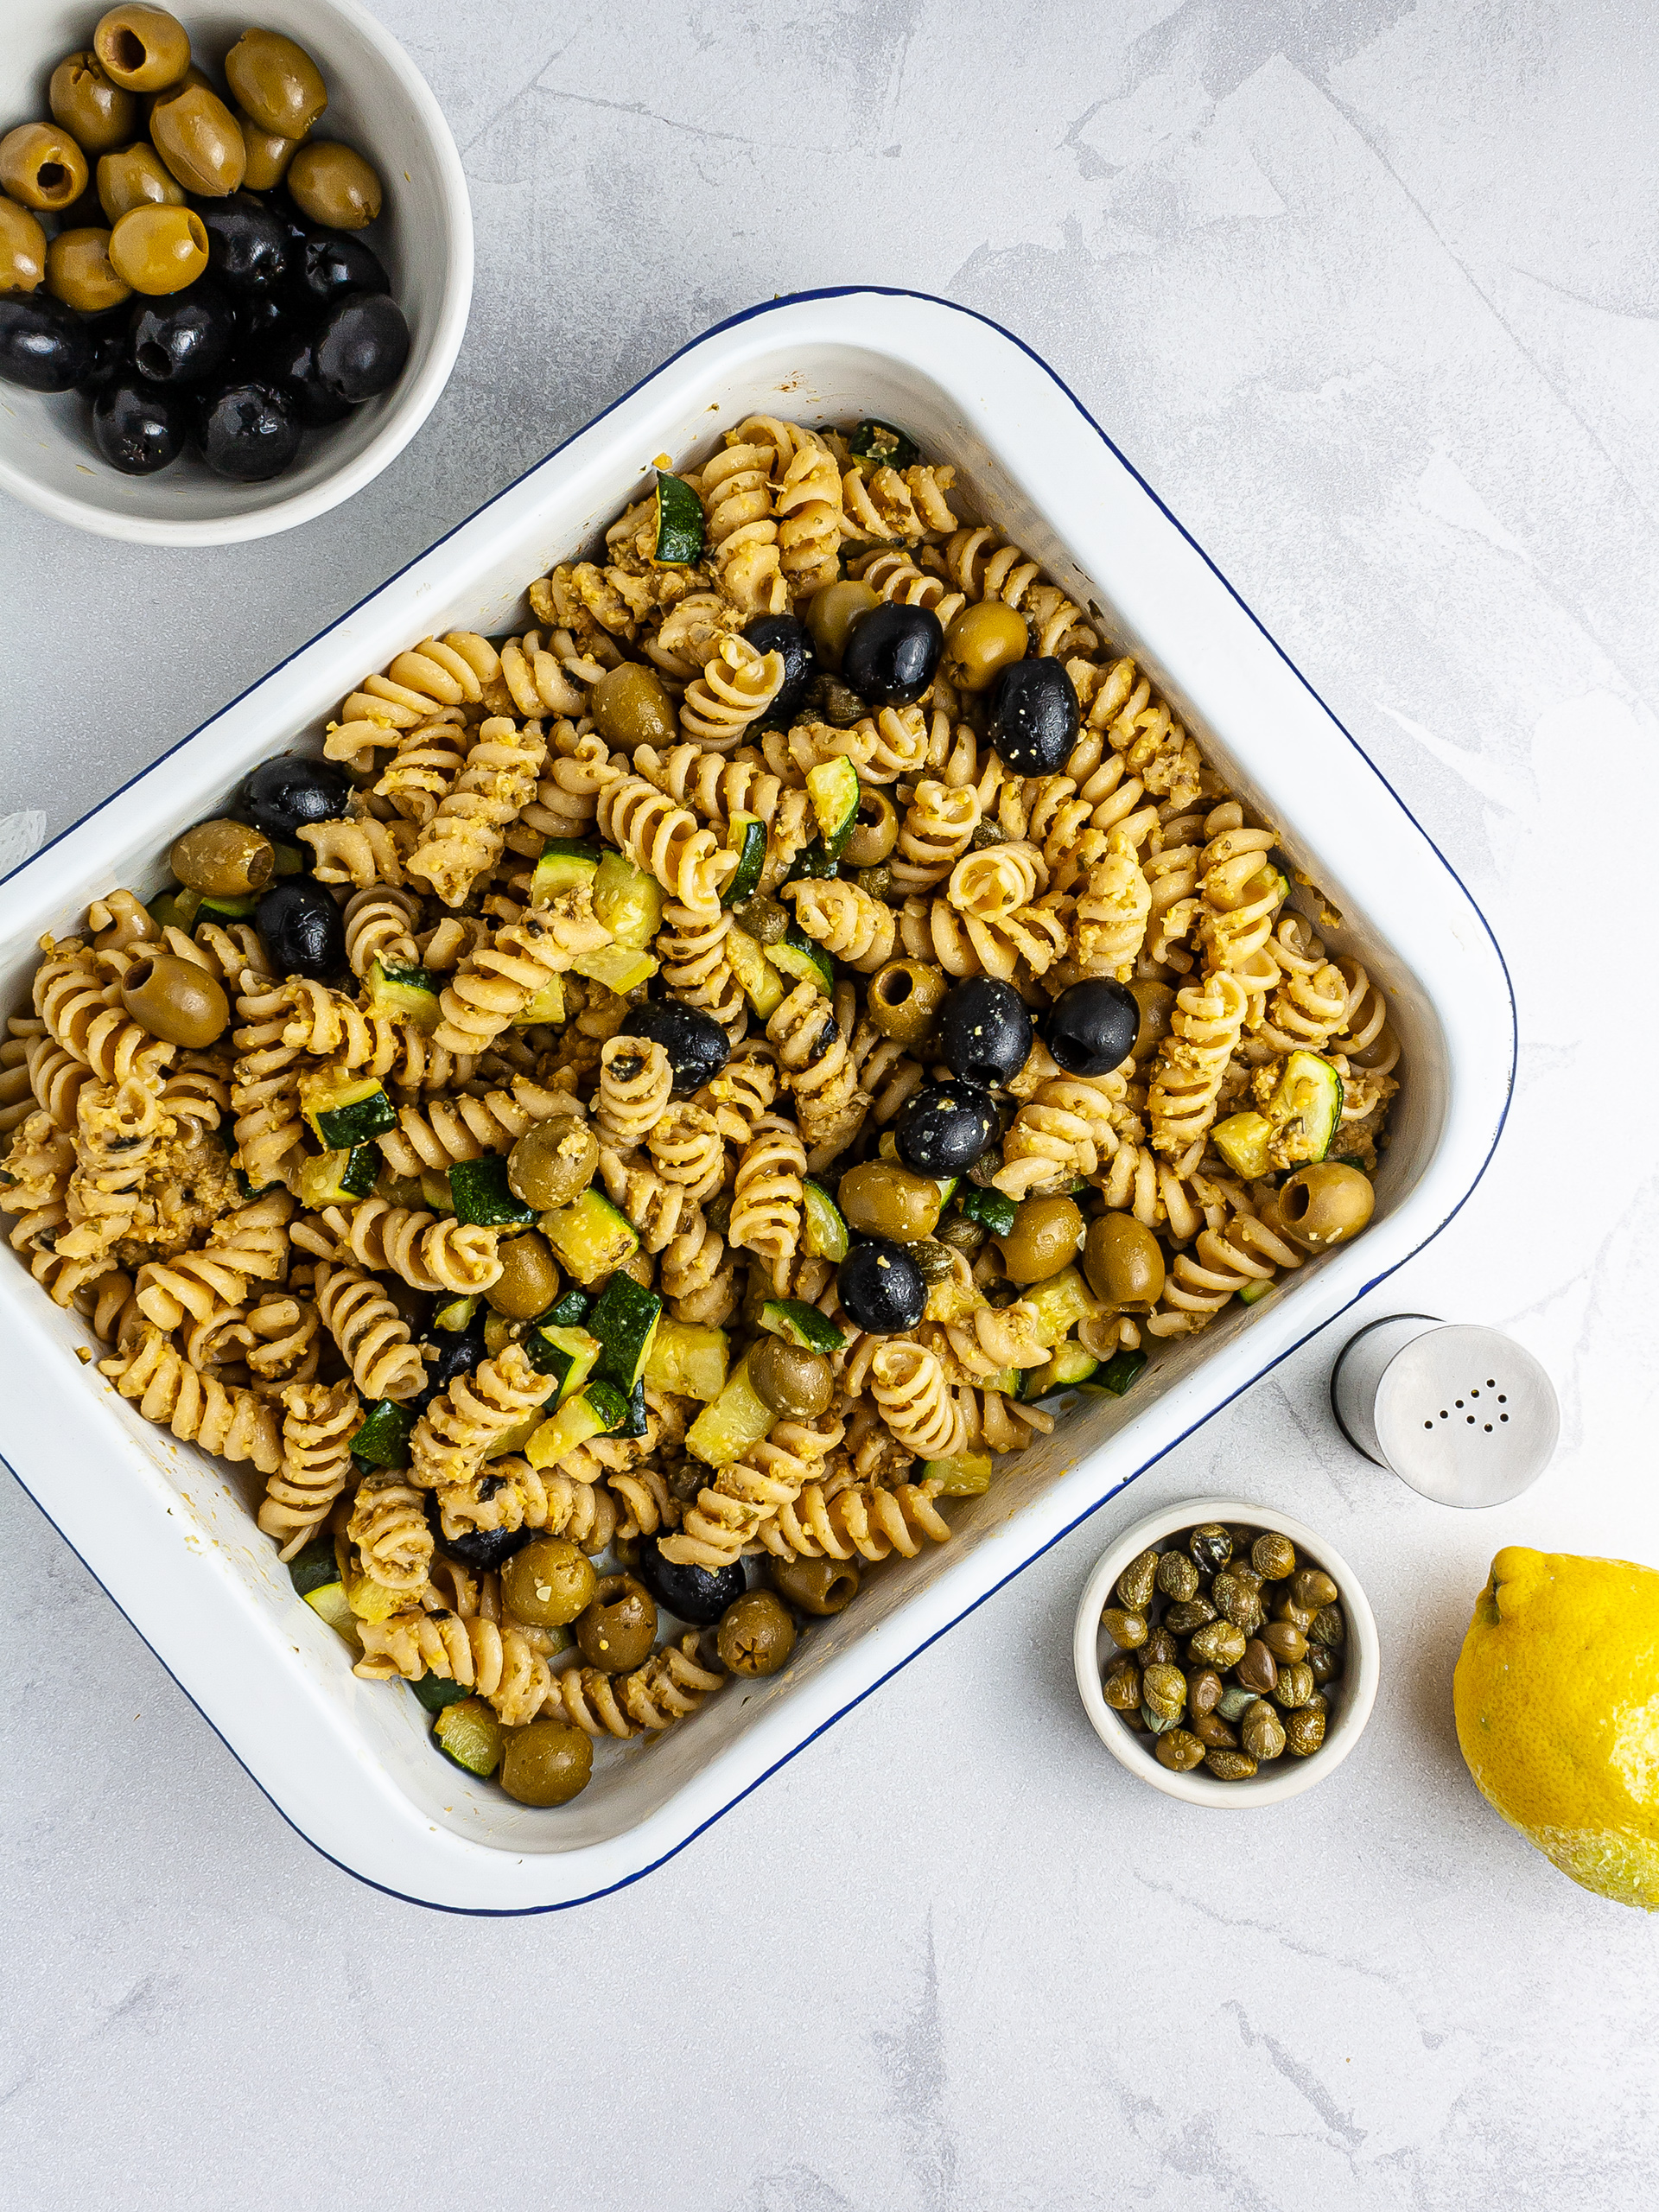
(351, 1763)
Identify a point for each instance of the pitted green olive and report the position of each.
(78, 272)
(550, 1583)
(96, 112)
(628, 703)
(904, 998)
(40, 166)
(223, 860)
(553, 1163)
(23, 249)
(794, 1382)
(1157, 1003)
(277, 83)
(268, 154)
(756, 1635)
(619, 1627)
(136, 176)
(1124, 1263)
(982, 641)
(819, 1587)
(334, 185)
(529, 1280)
(142, 50)
(548, 1763)
(1326, 1205)
(880, 1198)
(176, 1001)
(199, 138)
(159, 250)
(830, 617)
(1045, 1238)
(874, 831)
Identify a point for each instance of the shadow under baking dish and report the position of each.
(168, 1532)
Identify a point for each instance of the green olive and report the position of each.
(874, 831)
(552, 1164)
(529, 1280)
(78, 272)
(819, 1587)
(142, 48)
(766, 920)
(159, 250)
(628, 703)
(334, 185)
(547, 1764)
(1325, 1205)
(1157, 1003)
(176, 1001)
(982, 641)
(903, 998)
(95, 114)
(1045, 1238)
(832, 613)
(756, 1634)
(268, 154)
(199, 138)
(881, 1199)
(794, 1382)
(136, 176)
(550, 1583)
(277, 82)
(223, 859)
(23, 249)
(41, 166)
(617, 1630)
(1124, 1263)
(1382, 1050)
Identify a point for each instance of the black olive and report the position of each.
(694, 1042)
(326, 265)
(945, 1127)
(247, 429)
(1035, 716)
(138, 427)
(479, 1549)
(110, 357)
(249, 248)
(1091, 1028)
(302, 929)
(698, 1594)
(880, 1287)
(361, 346)
(892, 653)
(263, 324)
(291, 363)
(44, 346)
(459, 1353)
(185, 337)
(984, 1031)
(783, 633)
(283, 794)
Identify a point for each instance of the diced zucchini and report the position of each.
(1006, 1380)
(627, 900)
(1252, 1291)
(547, 1006)
(290, 861)
(245, 1191)
(1304, 1110)
(516, 1437)
(470, 1733)
(992, 1210)
(591, 1237)
(329, 1603)
(825, 1230)
(499, 1333)
(832, 786)
(313, 1565)
(883, 445)
(949, 1300)
(175, 909)
(369, 1600)
(565, 864)
(968, 1475)
(746, 835)
(383, 1440)
(570, 1311)
(812, 860)
(596, 1411)
(1069, 1366)
(1120, 1371)
(625, 1321)
(1241, 1140)
(1062, 1301)
(456, 1314)
(433, 1693)
(241, 909)
(800, 1324)
(401, 1190)
(482, 1196)
(346, 1110)
(735, 1423)
(567, 1353)
(762, 985)
(620, 968)
(340, 1179)
(679, 523)
(407, 992)
(692, 1362)
(796, 957)
(435, 1193)
(635, 1418)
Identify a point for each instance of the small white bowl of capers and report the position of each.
(1225, 1652)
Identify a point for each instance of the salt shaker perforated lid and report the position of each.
(1461, 1413)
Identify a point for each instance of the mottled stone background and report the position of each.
(1367, 291)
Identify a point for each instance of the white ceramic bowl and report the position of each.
(377, 102)
(1350, 1696)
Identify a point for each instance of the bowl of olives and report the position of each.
(1225, 1653)
(236, 258)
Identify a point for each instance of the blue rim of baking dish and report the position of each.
(734, 322)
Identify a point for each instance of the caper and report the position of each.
(794, 1382)
(1273, 1556)
(1292, 1615)
(763, 919)
(1126, 1627)
(1210, 1547)
(1155, 1724)
(874, 831)
(1203, 1690)
(141, 48)
(1187, 1615)
(1310, 1589)
(548, 1763)
(962, 1235)
(875, 882)
(903, 998)
(159, 249)
(549, 1583)
(176, 1001)
(1326, 1205)
(819, 1587)
(1329, 1626)
(880, 1198)
(1160, 1649)
(553, 1163)
(1286, 1643)
(1325, 1662)
(981, 642)
(1294, 1687)
(223, 860)
(1045, 1237)
(78, 272)
(1304, 1731)
(934, 1261)
(1234, 1702)
(199, 138)
(1262, 1732)
(616, 1631)
(1121, 1684)
(628, 703)
(23, 249)
(1233, 1598)
(1135, 1584)
(268, 154)
(334, 186)
(756, 1635)
(277, 82)
(1219, 1644)
(96, 112)
(1229, 1766)
(1180, 1751)
(40, 166)
(1163, 1689)
(1124, 1263)
(1211, 1730)
(529, 1280)
(1178, 1578)
(830, 616)
(1257, 1670)
(135, 176)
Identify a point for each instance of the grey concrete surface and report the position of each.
(1368, 292)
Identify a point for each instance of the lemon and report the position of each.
(1557, 1701)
